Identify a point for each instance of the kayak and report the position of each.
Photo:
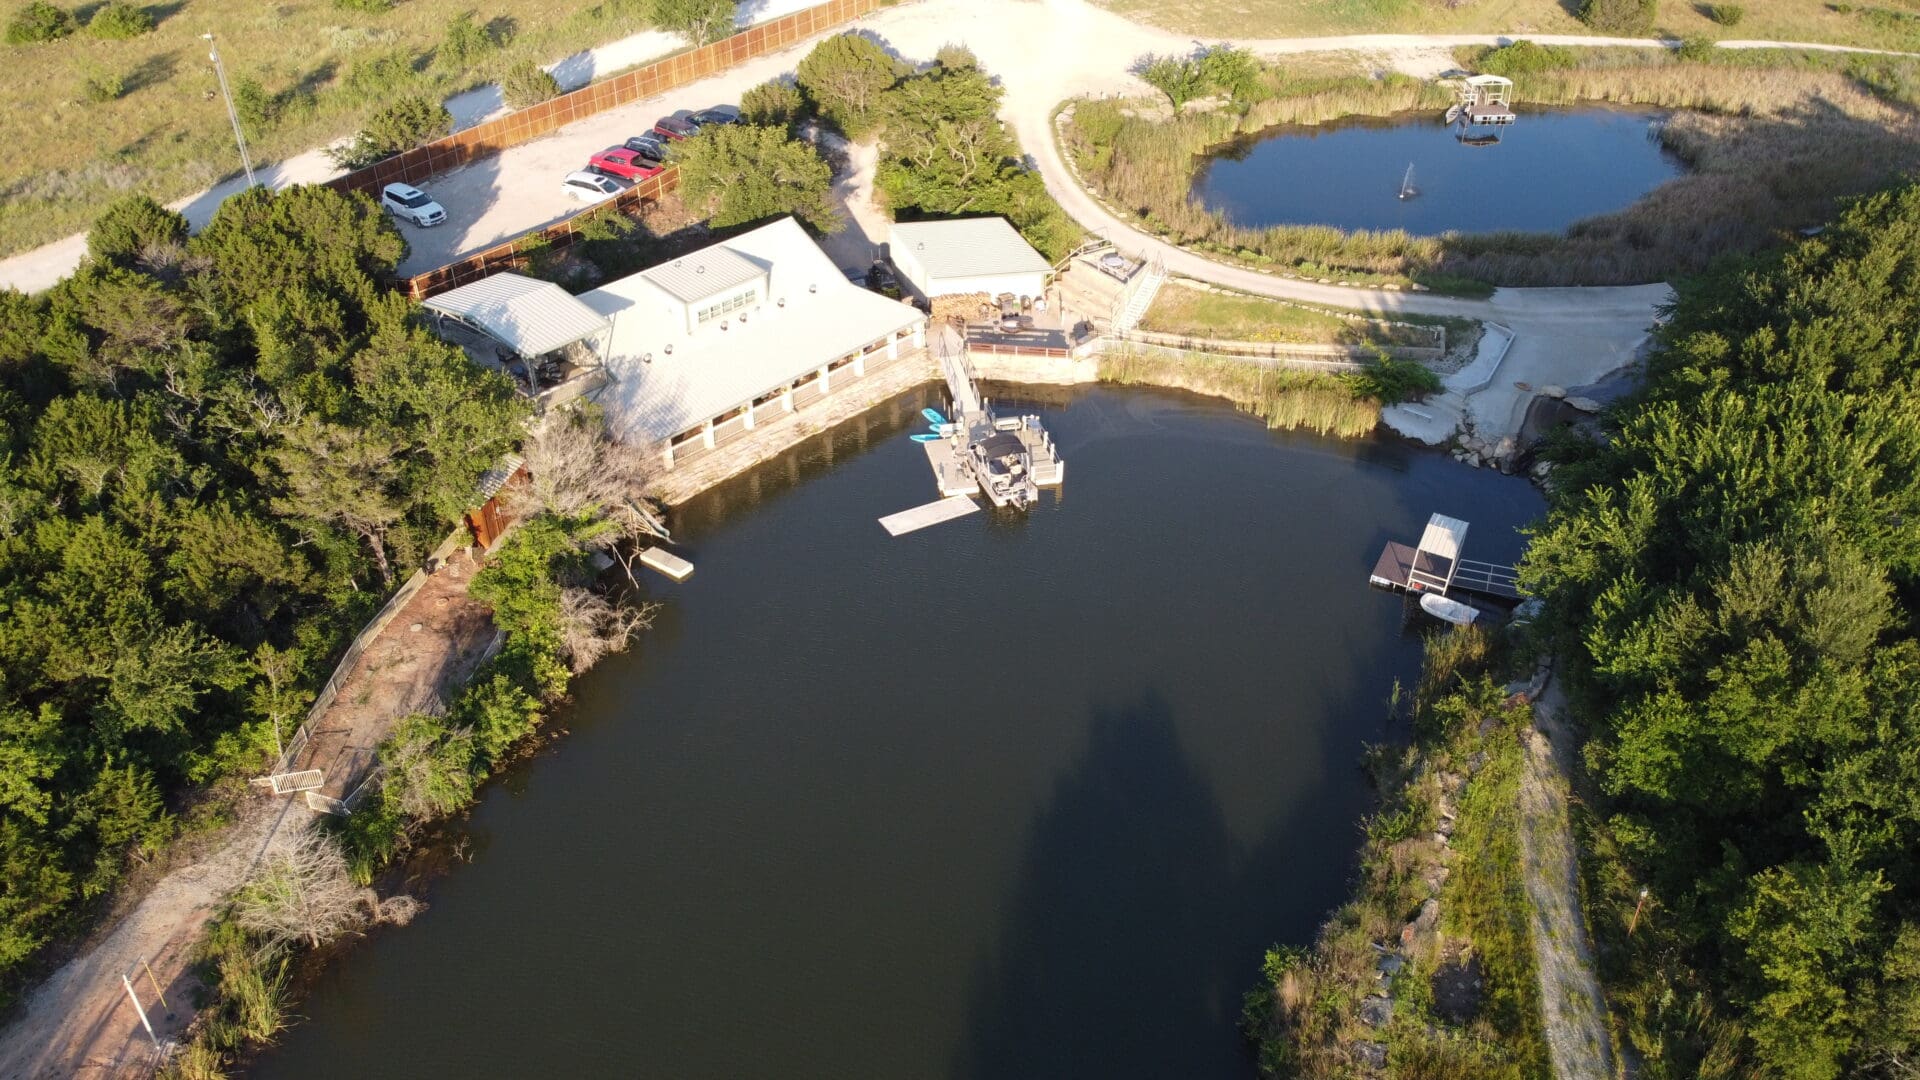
(926, 438)
(1446, 610)
(933, 416)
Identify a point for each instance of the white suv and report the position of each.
(409, 203)
(590, 186)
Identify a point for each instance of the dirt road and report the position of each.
(1573, 1008)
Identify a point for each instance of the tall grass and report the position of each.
(1774, 140)
(1326, 404)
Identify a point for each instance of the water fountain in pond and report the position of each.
(1407, 190)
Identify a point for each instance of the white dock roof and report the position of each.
(1444, 536)
(528, 316)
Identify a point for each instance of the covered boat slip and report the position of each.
(1435, 565)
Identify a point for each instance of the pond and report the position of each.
(1551, 168)
(1013, 796)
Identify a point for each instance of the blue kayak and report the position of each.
(933, 416)
(926, 438)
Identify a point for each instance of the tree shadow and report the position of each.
(162, 12)
(1107, 963)
(152, 71)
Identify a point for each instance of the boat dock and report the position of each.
(1006, 458)
(1436, 565)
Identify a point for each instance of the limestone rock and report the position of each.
(1554, 391)
(1375, 1011)
(1371, 1055)
(1584, 404)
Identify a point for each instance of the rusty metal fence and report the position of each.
(514, 254)
(524, 125)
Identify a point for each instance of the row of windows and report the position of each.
(725, 307)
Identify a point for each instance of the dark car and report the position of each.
(675, 127)
(649, 146)
(708, 117)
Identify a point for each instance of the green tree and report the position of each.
(527, 83)
(774, 103)
(1233, 71)
(1181, 79)
(744, 173)
(844, 77)
(38, 21)
(402, 125)
(117, 20)
(332, 475)
(701, 20)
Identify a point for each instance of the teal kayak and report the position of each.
(933, 416)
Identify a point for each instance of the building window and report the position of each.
(726, 307)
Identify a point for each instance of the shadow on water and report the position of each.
(1107, 957)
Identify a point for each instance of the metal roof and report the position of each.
(528, 316)
(967, 247)
(692, 278)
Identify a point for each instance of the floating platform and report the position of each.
(932, 513)
(950, 473)
(1435, 565)
(662, 561)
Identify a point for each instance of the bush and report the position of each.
(371, 7)
(1620, 16)
(775, 103)
(131, 226)
(527, 83)
(375, 78)
(1181, 80)
(1526, 57)
(37, 22)
(403, 125)
(256, 107)
(102, 87)
(700, 20)
(466, 42)
(118, 21)
(1696, 49)
(1726, 14)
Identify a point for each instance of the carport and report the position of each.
(531, 328)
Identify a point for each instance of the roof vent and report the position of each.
(813, 288)
(701, 269)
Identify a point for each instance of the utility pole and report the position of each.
(1634, 923)
(239, 137)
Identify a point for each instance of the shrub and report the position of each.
(256, 107)
(39, 21)
(1181, 80)
(371, 7)
(102, 87)
(701, 20)
(1620, 16)
(131, 226)
(118, 21)
(375, 77)
(1726, 14)
(527, 83)
(775, 103)
(467, 40)
(1696, 49)
(402, 125)
(1525, 57)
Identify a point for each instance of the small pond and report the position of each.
(1551, 168)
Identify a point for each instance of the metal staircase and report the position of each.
(1133, 302)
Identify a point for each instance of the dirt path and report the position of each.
(79, 1023)
(1573, 1008)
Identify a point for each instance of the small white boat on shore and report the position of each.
(1446, 610)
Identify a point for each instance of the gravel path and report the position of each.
(1573, 1008)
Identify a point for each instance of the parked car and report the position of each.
(719, 115)
(649, 146)
(624, 163)
(590, 186)
(676, 127)
(409, 203)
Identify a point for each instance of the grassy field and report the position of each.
(323, 68)
(1180, 310)
(1775, 141)
(1773, 20)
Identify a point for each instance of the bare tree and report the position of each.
(575, 467)
(591, 626)
(301, 893)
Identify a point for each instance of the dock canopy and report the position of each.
(530, 317)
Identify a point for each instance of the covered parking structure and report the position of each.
(532, 330)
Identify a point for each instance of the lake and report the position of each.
(1015, 796)
(1551, 168)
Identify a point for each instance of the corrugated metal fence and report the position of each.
(482, 140)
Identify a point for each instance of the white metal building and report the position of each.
(711, 343)
(967, 255)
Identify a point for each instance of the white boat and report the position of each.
(1446, 610)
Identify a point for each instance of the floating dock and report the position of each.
(666, 562)
(932, 513)
(1435, 565)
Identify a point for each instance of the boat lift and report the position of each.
(1484, 101)
(1435, 566)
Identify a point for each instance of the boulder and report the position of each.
(1390, 965)
(1376, 1011)
(1371, 1055)
(1554, 391)
(1584, 404)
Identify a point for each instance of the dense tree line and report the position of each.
(1735, 574)
(217, 455)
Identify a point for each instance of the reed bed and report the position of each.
(1325, 404)
(1774, 140)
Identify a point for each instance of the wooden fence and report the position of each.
(513, 254)
(525, 125)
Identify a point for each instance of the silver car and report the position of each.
(590, 186)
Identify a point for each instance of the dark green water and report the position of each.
(1009, 797)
